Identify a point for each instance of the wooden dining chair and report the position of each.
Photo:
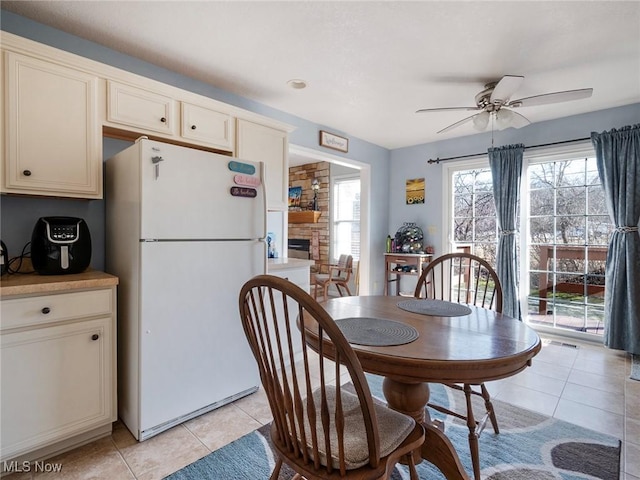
(321, 428)
(338, 274)
(465, 278)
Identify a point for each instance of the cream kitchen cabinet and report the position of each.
(207, 127)
(53, 137)
(139, 108)
(258, 142)
(57, 354)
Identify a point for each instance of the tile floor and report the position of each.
(587, 385)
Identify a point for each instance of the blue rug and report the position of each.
(530, 446)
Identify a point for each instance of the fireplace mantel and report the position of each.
(304, 216)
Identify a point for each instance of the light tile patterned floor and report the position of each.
(587, 384)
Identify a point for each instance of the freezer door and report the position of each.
(193, 351)
(186, 194)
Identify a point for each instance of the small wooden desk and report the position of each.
(392, 260)
(475, 348)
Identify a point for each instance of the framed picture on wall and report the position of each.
(336, 142)
(295, 194)
(415, 191)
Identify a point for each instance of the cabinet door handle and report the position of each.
(95, 337)
(193, 127)
(26, 173)
(163, 120)
(46, 310)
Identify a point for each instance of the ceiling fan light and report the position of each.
(504, 118)
(481, 120)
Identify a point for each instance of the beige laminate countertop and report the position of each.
(24, 284)
(274, 264)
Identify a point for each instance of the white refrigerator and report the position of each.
(185, 229)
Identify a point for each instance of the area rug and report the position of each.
(530, 446)
(635, 367)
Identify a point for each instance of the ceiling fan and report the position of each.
(495, 100)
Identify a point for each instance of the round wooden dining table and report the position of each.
(471, 348)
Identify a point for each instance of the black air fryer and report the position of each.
(60, 245)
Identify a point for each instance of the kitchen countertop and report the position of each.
(274, 264)
(24, 284)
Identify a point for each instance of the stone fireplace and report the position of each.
(316, 234)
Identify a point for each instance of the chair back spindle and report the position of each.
(461, 278)
(308, 412)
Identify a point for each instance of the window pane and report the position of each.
(347, 200)
(485, 206)
(571, 201)
(463, 229)
(592, 172)
(541, 176)
(483, 181)
(541, 230)
(570, 230)
(541, 201)
(600, 230)
(485, 229)
(463, 206)
(570, 173)
(596, 201)
(346, 222)
(463, 182)
(486, 251)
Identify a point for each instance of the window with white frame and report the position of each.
(345, 195)
(564, 233)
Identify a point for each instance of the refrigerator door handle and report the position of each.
(156, 163)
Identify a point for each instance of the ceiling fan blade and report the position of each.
(447, 109)
(458, 123)
(519, 121)
(506, 118)
(554, 97)
(507, 86)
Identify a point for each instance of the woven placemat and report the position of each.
(437, 308)
(376, 332)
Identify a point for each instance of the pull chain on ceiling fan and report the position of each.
(494, 102)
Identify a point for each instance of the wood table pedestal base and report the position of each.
(411, 399)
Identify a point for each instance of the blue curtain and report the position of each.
(618, 159)
(506, 170)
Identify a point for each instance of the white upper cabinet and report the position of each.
(53, 137)
(261, 143)
(207, 126)
(58, 105)
(137, 107)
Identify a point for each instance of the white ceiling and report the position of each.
(371, 65)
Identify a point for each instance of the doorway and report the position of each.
(299, 155)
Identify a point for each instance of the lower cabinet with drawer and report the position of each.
(58, 371)
(298, 275)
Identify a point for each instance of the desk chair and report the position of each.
(465, 278)
(338, 274)
(320, 428)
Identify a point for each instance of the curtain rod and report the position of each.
(438, 160)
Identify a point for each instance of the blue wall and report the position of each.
(19, 214)
(389, 211)
(411, 162)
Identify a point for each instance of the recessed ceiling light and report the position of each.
(297, 83)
